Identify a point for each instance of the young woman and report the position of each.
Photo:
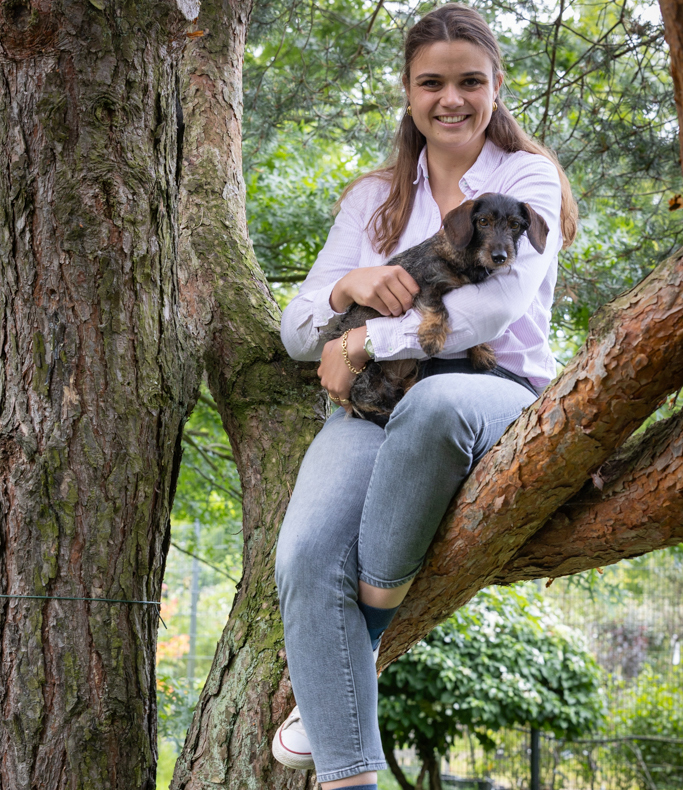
(368, 500)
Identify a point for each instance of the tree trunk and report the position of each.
(433, 766)
(396, 770)
(95, 383)
(271, 408)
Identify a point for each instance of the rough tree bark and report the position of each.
(672, 14)
(632, 503)
(95, 382)
(126, 270)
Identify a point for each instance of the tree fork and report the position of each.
(631, 360)
(632, 505)
(248, 691)
(220, 729)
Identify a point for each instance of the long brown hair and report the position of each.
(450, 22)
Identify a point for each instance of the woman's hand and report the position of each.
(388, 289)
(334, 373)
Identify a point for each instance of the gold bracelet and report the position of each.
(345, 354)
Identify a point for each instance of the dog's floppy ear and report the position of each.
(537, 231)
(457, 225)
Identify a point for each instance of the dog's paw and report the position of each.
(482, 357)
(432, 334)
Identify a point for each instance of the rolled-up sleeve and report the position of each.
(310, 310)
(482, 313)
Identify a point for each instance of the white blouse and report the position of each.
(510, 310)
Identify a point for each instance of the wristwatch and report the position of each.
(369, 350)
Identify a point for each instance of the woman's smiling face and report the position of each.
(451, 91)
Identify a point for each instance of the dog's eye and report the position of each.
(514, 225)
(483, 222)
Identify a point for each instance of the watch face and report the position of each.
(368, 347)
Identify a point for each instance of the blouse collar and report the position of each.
(476, 178)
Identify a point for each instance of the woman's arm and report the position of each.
(481, 313)
(335, 282)
(334, 374)
(310, 310)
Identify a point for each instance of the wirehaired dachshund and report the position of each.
(477, 238)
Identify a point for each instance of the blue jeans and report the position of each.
(366, 505)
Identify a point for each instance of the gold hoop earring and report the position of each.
(495, 106)
(409, 110)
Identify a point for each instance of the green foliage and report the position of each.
(330, 67)
(624, 582)
(653, 708)
(503, 660)
(206, 522)
(591, 80)
(631, 607)
(165, 765)
(290, 195)
(209, 489)
(176, 701)
(385, 781)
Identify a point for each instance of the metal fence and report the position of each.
(632, 619)
(621, 763)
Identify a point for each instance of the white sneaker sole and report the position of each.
(375, 652)
(301, 760)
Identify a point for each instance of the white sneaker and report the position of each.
(291, 746)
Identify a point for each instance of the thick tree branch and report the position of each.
(633, 505)
(672, 13)
(632, 358)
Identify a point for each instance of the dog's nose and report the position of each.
(498, 257)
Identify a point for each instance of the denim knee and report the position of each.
(309, 568)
